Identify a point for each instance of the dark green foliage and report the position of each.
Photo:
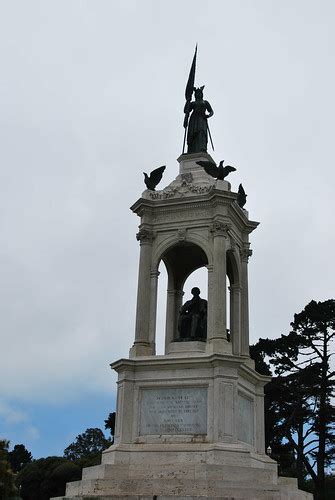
(19, 457)
(46, 477)
(110, 424)
(89, 461)
(7, 484)
(91, 442)
(299, 413)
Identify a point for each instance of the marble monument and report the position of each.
(190, 423)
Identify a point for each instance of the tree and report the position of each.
(274, 393)
(299, 396)
(18, 457)
(54, 482)
(46, 477)
(7, 485)
(91, 442)
(110, 424)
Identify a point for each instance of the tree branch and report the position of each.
(314, 348)
(304, 459)
(308, 432)
(310, 442)
(311, 451)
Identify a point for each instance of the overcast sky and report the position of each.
(92, 95)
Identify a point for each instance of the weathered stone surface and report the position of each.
(243, 487)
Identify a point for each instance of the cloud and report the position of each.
(31, 433)
(11, 416)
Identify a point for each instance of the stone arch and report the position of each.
(175, 240)
(233, 267)
(181, 260)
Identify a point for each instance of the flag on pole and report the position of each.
(190, 82)
(189, 88)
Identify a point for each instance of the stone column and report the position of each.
(179, 294)
(245, 254)
(170, 316)
(142, 345)
(173, 304)
(153, 309)
(210, 301)
(235, 318)
(217, 334)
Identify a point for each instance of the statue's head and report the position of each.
(195, 291)
(198, 93)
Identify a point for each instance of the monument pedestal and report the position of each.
(188, 426)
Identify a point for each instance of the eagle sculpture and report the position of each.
(154, 178)
(218, 172)
(241, 196)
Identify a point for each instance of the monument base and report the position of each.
(189, 425)
(189, 481)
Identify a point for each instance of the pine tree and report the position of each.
(299, 397)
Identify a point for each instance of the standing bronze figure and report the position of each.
(197, 133)
(200, 110)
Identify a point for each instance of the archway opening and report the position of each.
(198, 278)
(181, 260)
(182, 267)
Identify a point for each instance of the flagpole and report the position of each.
(188, 93)
(184, 140)
(210, 136)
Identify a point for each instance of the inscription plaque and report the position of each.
(173, 411)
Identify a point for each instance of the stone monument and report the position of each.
(190, 423)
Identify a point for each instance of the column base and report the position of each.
(141, 349)
(218, 345)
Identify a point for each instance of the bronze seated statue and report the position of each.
(192, 321)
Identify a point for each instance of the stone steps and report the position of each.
(191, 481)
(189, 471)
(178, 488)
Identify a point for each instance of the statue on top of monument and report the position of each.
(154, 178)
(200, 110)
(218, 172)
(192, 322)
(241, 196)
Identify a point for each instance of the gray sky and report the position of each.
(92, 95)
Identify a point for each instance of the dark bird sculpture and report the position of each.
(154, 178)
(241, 196)
(219, 172)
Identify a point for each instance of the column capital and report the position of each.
(219, 228)
(145, 236)
(245, 253)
